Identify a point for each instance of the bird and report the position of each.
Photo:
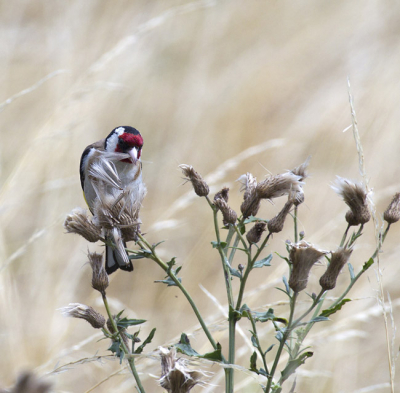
(128, 141)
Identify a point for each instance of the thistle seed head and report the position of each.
(29, 383)
(199, 185)
(176, 377)
(99, 277)
(251, 201)
(223, 194)
(301, 170)
(229, 215)
(77, 310)
(255, 233)
(275, 225)
(355, 197)
(78, 222)
(339, 258)
(303, 256)
(392, 213)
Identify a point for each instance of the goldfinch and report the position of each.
(121, 150)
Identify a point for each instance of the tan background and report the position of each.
(203, 81)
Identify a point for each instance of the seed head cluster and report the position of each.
(199, 185)
(339, 258)
(78, 310)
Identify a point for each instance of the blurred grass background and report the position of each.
(203, 81)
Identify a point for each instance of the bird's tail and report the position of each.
(116, 256)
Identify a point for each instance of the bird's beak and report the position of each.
(133, 153)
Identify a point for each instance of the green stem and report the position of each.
(344, 235)
(261, 352)
(131, 359)
(282, 342)
(144, 244)
(296, 235)
(315, 302)
(362, 271)
(249, 267)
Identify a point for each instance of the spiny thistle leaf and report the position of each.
(338, 307)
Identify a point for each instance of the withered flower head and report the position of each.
(301, 170)
(199, 185)
(228, 214)
(176, 377)
(29, 383)
(355, 197)
(78, 222)
(223, 194)
(77, 310)
(392, 213)
(303, 256)
(255, 233)
(251, 201)
(278, 185)
(275, 225)
(99, 277)
(338, 260)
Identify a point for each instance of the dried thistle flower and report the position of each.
(275, 225)
(78, 222)
(355, 197)
(255, 233)
(176, 377)
(229, 215)
(392, 213)
(278, 185)
(339, 258)
(29, 383)
(199, 185)
(301, 170)
(99, 277)
(303, 256)
(251, 201)
(78, 310)
(223, 194)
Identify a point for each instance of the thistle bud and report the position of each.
(223, 194)
(302, 256)
(100, 277)
(199, 185)
(78, 222)
(392, 213)
(338, 260)
(275, 225)
(255, 233)
(176, 377)
(77, 310)
(355, 197)
(228, 214)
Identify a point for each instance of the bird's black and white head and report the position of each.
(126, 140)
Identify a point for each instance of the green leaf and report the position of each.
(114, 348)
(263, 262)
(284, 258)
(284, 279)
(140, 254)
(169, 281)
(217, 245)
(254, 219)
(351, 270)
(125, 322)
(269, 349)
(253, 362)
(263, 372)
(242, 229)
(215, 355)
(254, 340)
(157, 244)
(279, 336)
(235, 272)
(136, 256)
(330, 311)
(171, 263)
(264, 316)
(145, 342)
(184, 347)
(293, 365)
(368, 264)
(319, 319)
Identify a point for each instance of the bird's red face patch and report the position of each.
(126, 142)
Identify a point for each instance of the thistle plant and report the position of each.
(247, 241)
